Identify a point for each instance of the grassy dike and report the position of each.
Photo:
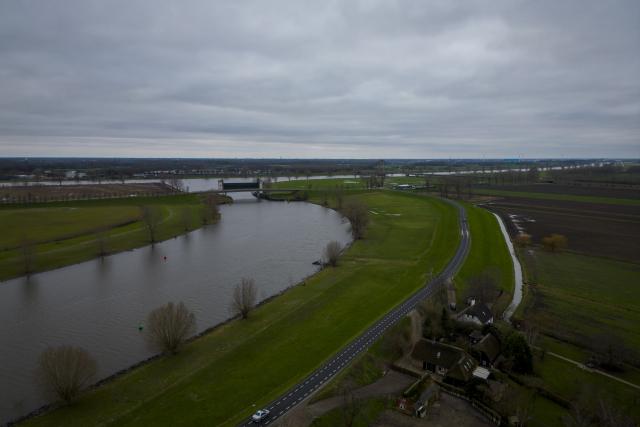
(225, 375)
(66, 233)
(488, 252)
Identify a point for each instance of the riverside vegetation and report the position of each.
(258, 358)
(44, 236)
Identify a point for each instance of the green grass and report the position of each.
(551, 196)
(68, 232)
(321, 184)
(368, 367)
(546, 413)
(569, 381)
(219, 378)
(488, 252)
(578, 297)
(580, 354)
(57, 223)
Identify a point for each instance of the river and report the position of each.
(99, 304)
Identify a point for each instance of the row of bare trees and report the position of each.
(151, 216)
(64, 371)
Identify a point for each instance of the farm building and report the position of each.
(478, 313)
(450, 362)
(487, 350)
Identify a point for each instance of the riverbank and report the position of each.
(259, 358)
(46, 236)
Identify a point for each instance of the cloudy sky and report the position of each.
(393, 79)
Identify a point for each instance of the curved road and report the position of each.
(330, 368)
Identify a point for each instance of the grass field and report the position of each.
(554, 196)
(66, 233)
(570, 382)
(577, 298)
(59, 223)
(488, 252)
(223, 376)
(321, 184)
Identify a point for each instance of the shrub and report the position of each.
(65, 370)
(169, 326)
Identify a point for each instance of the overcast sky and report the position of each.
(392, 79)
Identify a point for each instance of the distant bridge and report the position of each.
(247, 187)
(254, 190)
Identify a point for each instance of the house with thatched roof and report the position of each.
(450, 362)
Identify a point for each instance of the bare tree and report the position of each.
(351, 407)
(521, 402)
(611, 416)
(325, 198)
(577, 417)
(65, 370)
(358, 214)
(244, 297)
(339, 196)
(151, 218)
(187, 215)
(610, 351)
(332, 253)
(27, 249)
(483, 286)
(169, 326)
(531, 332)
(210, 211)
(102, 242)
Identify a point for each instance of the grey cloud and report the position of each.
(320, 79)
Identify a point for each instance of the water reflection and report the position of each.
(29, 287)
(99, 304)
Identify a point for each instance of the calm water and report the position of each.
(99, 304)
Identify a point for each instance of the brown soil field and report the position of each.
(596, 229)
(49, 193)
(596, 190)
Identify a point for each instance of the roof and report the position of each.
(436, 353)
(463, 370)
(481, 311)
(489, 345)
(482, 373)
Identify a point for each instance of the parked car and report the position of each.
(260, 415)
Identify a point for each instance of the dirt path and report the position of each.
(517, 269)
(392, 383)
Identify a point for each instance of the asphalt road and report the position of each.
(320, 376)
